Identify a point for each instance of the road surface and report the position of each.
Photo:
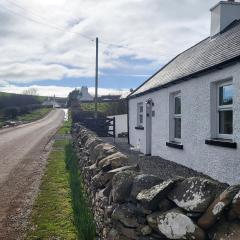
(23, 154)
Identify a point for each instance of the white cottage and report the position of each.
(84, 95)
(189, 111)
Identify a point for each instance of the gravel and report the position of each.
(158, 166)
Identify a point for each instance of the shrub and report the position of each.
(11, 112)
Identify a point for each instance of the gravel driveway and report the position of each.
(23, 154)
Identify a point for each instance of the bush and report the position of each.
(24, 110)
(17, 100)
(11, 112)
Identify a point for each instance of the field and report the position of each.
(34, 115)
(102, 107)
(107, 108)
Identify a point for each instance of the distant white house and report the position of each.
(189, 111)
(84, 95)
(51, 102)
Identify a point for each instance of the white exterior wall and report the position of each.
(218, 162)
(121, 123)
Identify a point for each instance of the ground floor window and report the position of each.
(225, 110)
(140, 114)
(175, 117)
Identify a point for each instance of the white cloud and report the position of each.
(62, 91)
(155, 30)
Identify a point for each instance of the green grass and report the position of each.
(102, 107)
(5, 94)
(34, 115)
(83, 217)
(61, 210)
(66, 128)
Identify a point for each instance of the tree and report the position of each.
(11, 112)
(30, 91)
(73, 98)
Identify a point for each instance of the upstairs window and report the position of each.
(225, 110)
(140, 114)
(177, 118)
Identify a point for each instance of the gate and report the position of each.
(103, 127)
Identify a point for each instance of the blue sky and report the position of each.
(55, 51)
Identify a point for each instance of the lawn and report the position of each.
(34, 115)
(60, 210)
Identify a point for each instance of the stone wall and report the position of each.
(128, 204)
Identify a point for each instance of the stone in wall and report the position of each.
(225, 230)
(194, 194)
(234, 212)
(216, 209)
(115, 160)
(122, 185)
(142, 182)
(175, 225)
(101, 151)
(150, 198)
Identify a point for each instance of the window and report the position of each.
(177, 118)
(140, 114)
(225, 110)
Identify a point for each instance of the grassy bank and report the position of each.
(28, 117)
(34, 115)
(61, 211)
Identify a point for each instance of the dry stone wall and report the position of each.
(128, 204)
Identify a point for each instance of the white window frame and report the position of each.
(223, 108)
(139, 114)
(173, 116)
(177, 116)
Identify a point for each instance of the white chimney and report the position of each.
(223, 14)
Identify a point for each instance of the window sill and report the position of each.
(139, 128)
(174, 145)
(221, 143)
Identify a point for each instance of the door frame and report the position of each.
(149, 105)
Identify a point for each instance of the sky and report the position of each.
(50, 45)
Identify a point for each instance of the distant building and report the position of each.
(110, 97)
(84, 95)
(51, 102)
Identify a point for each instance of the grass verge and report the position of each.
(61, 210)
(34, 115)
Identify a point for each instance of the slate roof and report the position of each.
(205, 55)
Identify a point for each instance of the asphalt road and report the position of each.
(23, 154)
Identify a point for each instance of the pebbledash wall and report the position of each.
(220, 163)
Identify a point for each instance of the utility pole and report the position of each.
(96, 82)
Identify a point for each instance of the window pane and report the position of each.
(177, 127)
(226, 95)
(140, 119)
(226, 122)
(177, 105)
(141, 109)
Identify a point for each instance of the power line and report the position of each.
(57, 27)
